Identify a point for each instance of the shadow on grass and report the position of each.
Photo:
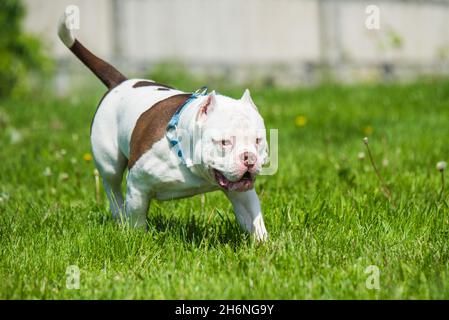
(194, 229)
(197, 231)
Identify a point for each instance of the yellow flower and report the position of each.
(87, 157)
(300, 121)
(368, 130)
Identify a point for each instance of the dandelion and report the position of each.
(87, 157)
(300, 121)
(59, 154)
(47, 172)
(440, 167)
(384, 187)
(15, 136)
(368, 130)
(4, 197)
(63, 176)
(361, 157)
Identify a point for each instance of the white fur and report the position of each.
(158, 173)
(65, 34)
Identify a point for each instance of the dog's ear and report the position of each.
(246, 98)
(207, 106)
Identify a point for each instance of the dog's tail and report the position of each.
(110, 76)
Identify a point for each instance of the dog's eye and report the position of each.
(225, 142)
(258, 141)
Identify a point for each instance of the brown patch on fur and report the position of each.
(140, 84)
(110, 76)
(151, 125)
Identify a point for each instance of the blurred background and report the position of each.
(269, 42)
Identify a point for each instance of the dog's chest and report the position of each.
(160, 171)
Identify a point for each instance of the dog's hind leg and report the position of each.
(112, 186)
(111, 164)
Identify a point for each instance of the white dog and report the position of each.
(174, 144)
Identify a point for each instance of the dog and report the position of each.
(174, 144)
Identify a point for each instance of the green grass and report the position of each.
(327, 217)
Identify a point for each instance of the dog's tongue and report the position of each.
(241, 185)
(222, 181)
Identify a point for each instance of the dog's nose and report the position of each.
(248, 159)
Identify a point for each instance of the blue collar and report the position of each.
(170, 131)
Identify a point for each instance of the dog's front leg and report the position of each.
(136, 204)
(248, 212)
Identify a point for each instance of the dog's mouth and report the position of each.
(246, 182)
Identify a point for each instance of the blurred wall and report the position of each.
(289, 40)
(95, 21)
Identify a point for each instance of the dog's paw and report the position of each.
(259, 231)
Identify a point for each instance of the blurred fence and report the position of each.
(283, 41)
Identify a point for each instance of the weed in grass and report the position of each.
(440, 167)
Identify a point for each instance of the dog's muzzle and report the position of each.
(246, 182)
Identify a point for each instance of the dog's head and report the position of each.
(233, 141)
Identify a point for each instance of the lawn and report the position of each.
(325, 210)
